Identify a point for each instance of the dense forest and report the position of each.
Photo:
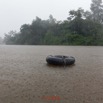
(81, 28)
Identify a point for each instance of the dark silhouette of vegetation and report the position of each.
(80, 28)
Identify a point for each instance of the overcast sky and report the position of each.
(14, 13)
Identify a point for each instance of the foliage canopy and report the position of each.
(81, 28)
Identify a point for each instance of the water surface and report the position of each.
(25, 76)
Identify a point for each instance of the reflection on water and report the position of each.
(60, 66)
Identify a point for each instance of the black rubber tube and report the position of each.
(60, 60)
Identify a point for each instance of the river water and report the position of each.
(25, 76)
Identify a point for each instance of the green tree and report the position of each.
(97, 11)
(73, 14)
(52, 20)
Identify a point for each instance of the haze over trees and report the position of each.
(81, 28)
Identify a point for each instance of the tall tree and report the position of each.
(73, 14)
(97, 11)
(76, 21)
(52, 20)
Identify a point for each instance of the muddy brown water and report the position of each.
(25, 76)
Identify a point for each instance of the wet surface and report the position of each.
(25, 77)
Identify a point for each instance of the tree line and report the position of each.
(81, 28)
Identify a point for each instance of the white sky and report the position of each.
(14, 13)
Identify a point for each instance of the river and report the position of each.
(25, 76)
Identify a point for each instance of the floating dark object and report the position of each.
(60, 60)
